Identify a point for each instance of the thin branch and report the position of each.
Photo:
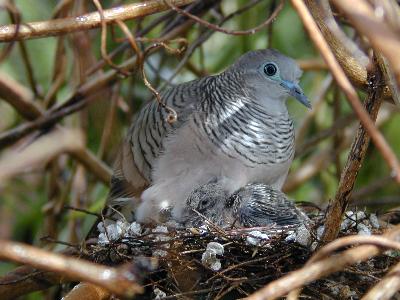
(93, 164)
(203, 37)
(378, 241)
(354, 162)
(79, 99)
(84, 22)
(121, 281)
(319, 160)
(103, 47)
(26, 279)
(19, 97)
(40, 152)
(224, 30)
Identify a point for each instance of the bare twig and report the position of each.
(172, 115)
(92, 163)
(353, 165)
(26, 279)
(121, 281)
(379, 241)
(204, 36)
(84, 22)
(18, 97)
(21, 99)
(46, 148)
(103, 47)
(80, 98)
(319, 98)
(319, 160)
(215, 27)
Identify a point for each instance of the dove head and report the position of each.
(208, 200)
(269, 77)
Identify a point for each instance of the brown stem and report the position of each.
(26, 279)
(84, 22)
(354, 162)
(121, 281)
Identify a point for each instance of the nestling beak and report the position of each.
(295, 90)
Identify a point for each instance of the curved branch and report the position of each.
(355, 68)
(121, 281)
(84, 22)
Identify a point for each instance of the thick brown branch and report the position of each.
(88, 21)
(26, 279)
(18, 97)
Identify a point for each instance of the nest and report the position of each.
(192, 264)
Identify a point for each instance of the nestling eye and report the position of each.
(204, 203)
(270, 69)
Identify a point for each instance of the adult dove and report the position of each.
(233, 126)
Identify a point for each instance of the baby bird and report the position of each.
(254, 205)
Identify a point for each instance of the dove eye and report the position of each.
(270, 69)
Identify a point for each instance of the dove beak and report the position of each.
(295, 91)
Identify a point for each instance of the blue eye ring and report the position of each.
(270, 69)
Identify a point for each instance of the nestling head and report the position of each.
(207, 197)
(270, 77)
